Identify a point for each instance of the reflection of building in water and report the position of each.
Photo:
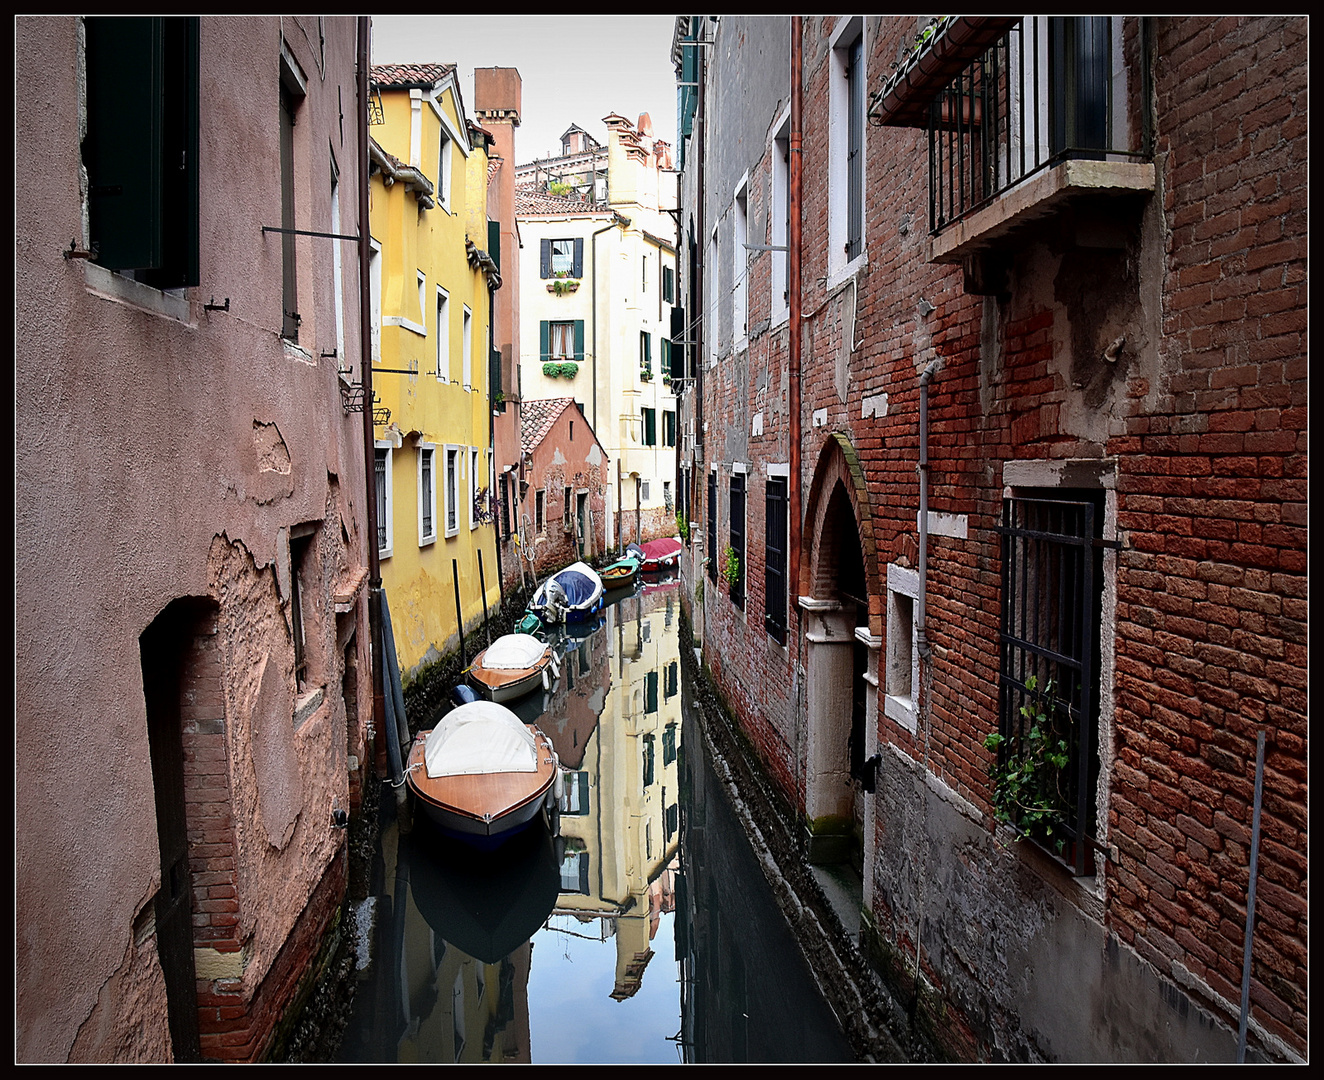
(619, 816)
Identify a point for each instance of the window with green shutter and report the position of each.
(650, 426)
(141, 147)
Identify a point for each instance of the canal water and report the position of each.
(637, 928)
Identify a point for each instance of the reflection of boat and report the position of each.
(661, 554)
(486, 904)
(572, 593)
(481, 773)
(622, 573)
(513, 665)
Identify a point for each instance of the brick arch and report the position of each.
(839, 464)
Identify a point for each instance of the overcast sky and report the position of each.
(575, 68)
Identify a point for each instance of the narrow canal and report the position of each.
(638, 930)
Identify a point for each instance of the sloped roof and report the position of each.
(532, 200)
(408, 76)
(538, 417)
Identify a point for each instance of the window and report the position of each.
(427, 495)
(774, 545)
(141, 148)
(290, 100)
(475, 488)
(668, 285)
(668, 427)
(504, 490)
(740, 265)
(643, 274)
(670, 688)
(540, 511)
(711, 287)
(781, 222)
(711, 539)
(562, 340)
(574, 870)
(666, 496)
(337, 275)
(422, 301)
(443, 336)
(738, 537)
(302, 553)
(846, 146)
(575, 799)
(562, 258)
(385, 504)
(645, 355)
(645, 490)
(650, 692)
(445, 150)
(375, 298)
(649, 426)
(466, 341)
(567, 514)
(902, 660)
(452, 490)
(1052, 587)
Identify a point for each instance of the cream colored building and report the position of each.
(598, 282)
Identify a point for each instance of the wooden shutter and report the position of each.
(544, 338)
(578, 270)
(546, 259)
(579, 340)
(494, 242)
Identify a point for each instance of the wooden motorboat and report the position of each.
(513, 665)
(481, 774)
(661, 554)
(621, 574)
(569, 594)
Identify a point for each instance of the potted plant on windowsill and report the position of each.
(730, 570)
(562, 285)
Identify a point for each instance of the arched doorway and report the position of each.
(843, 616)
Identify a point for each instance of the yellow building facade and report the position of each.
(433, 291)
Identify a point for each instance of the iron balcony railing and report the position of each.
(1042, 94)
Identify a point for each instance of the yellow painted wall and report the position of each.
(434, 406)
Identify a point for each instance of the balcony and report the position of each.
(1022, 117)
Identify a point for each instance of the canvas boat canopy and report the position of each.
(514, 652)
(480, 737)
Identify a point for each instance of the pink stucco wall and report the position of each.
(162, 457)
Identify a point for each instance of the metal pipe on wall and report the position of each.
(793, 243)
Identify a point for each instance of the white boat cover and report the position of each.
(480, 737)
(513, 652)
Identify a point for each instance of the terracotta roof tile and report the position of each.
(537, 418)
(531, 200)
(404, 76)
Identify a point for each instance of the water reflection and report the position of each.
(607, 942)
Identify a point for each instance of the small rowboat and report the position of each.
(513, 665)
(620, 574)
(481, 774)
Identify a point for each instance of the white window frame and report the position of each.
(779, 300)
(901, 664)
(443, 335)
(740, 265)
(445, 151)
(711, 287)
(386, 510)
(849, 30)
(427, 494)
(473, 487)
(423, 303)
(453, 462)
(375, 297)
(466, 339)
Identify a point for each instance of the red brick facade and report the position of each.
(1145, 351)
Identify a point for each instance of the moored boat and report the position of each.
(569, 594)
(621, 574)
(481, 774)
(513, 665)
(661, 554)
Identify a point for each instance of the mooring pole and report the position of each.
(482, 587)
(459, 613)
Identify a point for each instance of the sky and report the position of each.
(575, 69)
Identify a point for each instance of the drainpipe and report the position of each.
(369, 442)
(921, 637)
(793, 242)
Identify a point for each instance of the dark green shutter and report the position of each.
(546, 257)
(579, 340)
(141, 148)
(544, 341)
(578, 270)
(494, 242)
